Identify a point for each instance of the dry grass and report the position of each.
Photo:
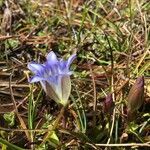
(111, 40)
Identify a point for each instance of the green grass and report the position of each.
(112, 42)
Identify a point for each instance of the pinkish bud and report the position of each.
(108, 104)
(135, 98)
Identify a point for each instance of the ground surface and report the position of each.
(111, 40)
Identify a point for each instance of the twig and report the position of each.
(125, 145)
(15, 106)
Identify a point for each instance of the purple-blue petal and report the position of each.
(55, 70)
(35, 79)
(52, 58)
(35, 68)
(70, 60)
(62, 64)
(53, 80)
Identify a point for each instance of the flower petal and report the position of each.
(43, 83)
(35, 68)
(70, 60)
(66, 89)
(51, 92)
(62, 64)
(36, 79)
(52, 58)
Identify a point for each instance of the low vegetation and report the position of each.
(108, 106)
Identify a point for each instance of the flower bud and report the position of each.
(135, 98)
(108, 104)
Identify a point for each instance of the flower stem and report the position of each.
(54, 126)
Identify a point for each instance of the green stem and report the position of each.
(11, 146)
(55, 125)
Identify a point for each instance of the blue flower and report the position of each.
(54, 76)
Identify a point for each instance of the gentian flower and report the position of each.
(54, 76)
